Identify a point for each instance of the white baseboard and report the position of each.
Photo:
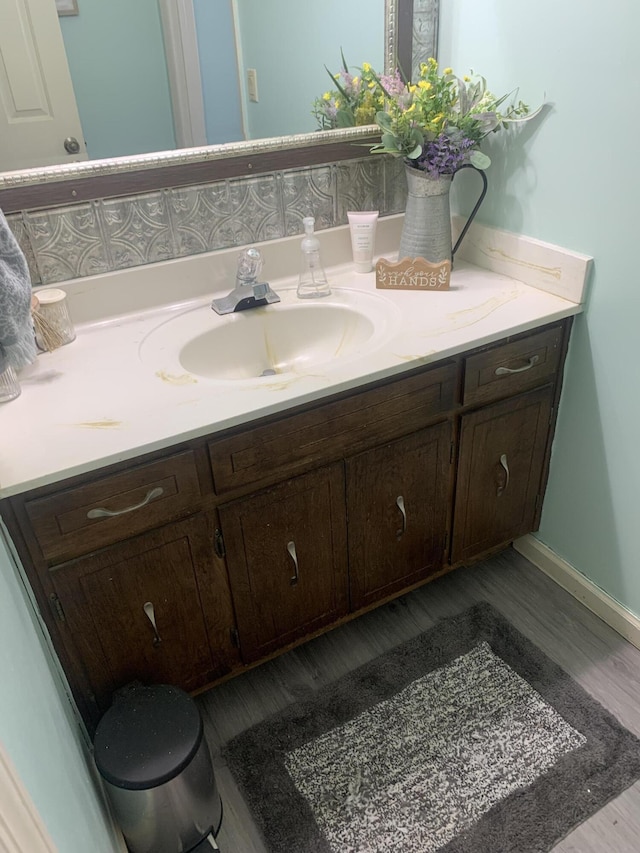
(597, 600)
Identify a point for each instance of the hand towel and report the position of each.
(17, 340)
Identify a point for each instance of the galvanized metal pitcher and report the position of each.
(426, 232)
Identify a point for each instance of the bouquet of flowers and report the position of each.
(436, 123)
(355, 100)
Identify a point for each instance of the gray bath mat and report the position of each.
(464, 740)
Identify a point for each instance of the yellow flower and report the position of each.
(366, 67)
(466, 78)
(433, 62)
(326, 96)
(355, 81)
(448, 71)
(411, 109)
(337, 104)
(412, 88)
(365, 115)
(424, 84)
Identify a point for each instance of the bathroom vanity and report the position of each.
(231, 521)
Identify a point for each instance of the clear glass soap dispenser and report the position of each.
(313, 280)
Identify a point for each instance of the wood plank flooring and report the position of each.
(592, 653)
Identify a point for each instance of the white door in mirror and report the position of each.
(39, 111)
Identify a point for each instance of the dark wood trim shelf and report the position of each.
(135, 181)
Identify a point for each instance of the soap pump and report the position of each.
(313, 280)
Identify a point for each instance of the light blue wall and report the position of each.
(572, 179)
(289, 42)
(218, 66)
(116, 57)
(38, 730)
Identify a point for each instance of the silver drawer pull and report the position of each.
(507, 371)
(505, 465)
(400, 505)
(151, 616)
(291, 548)
(107, 513)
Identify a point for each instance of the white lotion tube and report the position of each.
(363, 233)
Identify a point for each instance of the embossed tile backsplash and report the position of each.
(227, 213)
(137, 230)
(111, 234)
(68, 242)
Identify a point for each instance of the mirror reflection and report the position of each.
(159, 75)
(136, 56)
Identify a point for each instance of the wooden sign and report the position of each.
(413, 274)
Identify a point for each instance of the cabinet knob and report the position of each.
(291, 548)
(400, 505)
(151, 616)
(505, 465)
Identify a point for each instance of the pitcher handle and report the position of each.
(475, 209)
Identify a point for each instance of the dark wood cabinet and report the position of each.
(398, 511)
(287, 560)
(501, 462)
(115, 507)
(108, 602)
(249, 541)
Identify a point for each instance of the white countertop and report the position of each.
(95, 402)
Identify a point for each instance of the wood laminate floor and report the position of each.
(596, 656)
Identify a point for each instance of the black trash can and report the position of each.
(151, 752)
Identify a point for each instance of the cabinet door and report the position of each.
(287, 561)
(110, 598)
(397, 503)
(502, 452)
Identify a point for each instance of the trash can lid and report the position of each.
(147, 736)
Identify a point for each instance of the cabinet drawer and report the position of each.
(268, 453)
(115, 507)
(512, 367)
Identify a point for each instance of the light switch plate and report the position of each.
(252, 84)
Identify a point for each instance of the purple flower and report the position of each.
(445, 154)
(348, 84)
(393, 84)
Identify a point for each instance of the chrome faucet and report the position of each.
(248, 292)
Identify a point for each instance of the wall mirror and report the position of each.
(192, 73)
(409, 34)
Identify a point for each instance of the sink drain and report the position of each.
(269, 371)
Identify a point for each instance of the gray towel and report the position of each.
(17, 341)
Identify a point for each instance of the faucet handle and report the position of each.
(249, 265)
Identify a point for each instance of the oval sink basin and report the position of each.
(291, 337)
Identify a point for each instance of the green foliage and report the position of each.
(353, 100)
(439, 110)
